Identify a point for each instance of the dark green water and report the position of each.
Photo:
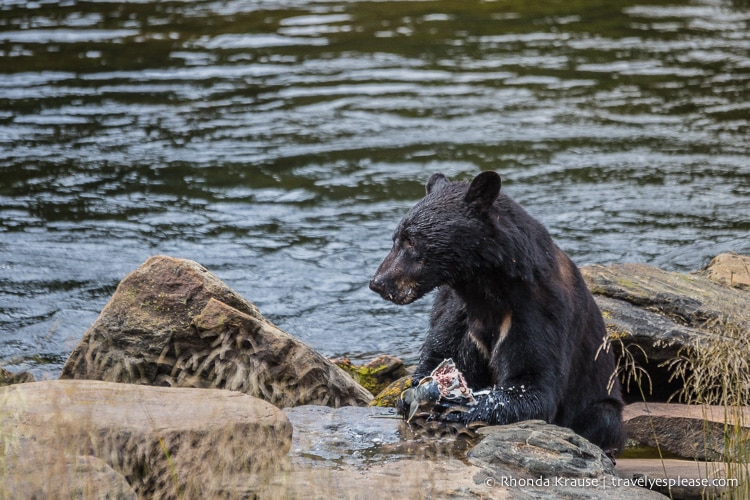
(278, 142)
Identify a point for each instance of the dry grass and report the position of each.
(713, 372)
(627, 368)
(717, 372)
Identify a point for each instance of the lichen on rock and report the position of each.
(374, 375)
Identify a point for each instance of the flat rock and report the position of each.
(362, 436)
(680, 479)
(407, 479)
(364, 450)
(691, 431)
(165, 442)
(172, 323)
(350, 434)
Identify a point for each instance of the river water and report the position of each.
(278, 142)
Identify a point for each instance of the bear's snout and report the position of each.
(399, 279)
(396, 291)
(384, 289)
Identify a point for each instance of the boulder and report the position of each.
(689, 299)
(654, 316)
(546, 461)
(164, 442)
(536, 449)
(691, 431)
(729, 269)
(172, 323)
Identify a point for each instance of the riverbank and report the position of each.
(203, 378)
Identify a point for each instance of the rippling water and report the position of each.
(278, 142)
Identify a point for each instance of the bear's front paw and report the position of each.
(453, 410)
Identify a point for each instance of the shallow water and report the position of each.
(279, 142)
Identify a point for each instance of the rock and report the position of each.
(172, 323)
(549, 462)
(388, 396)
(729, 269)
(401, 479)
(63, 476)
(680, 479)
(166, 442)
(688, 298)
(364, 450)
(691, 431)
(536, 449)
(654, 315)
(360, 437)
(349, 434)
(10, 378)
(375, 375)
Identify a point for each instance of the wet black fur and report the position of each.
(488, 258)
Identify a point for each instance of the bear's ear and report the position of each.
(483, 190)
(436, 182)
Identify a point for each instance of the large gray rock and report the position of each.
(542, 460)
(172, 323)
(537, 449)
(657, 316)
(689, 298)
(700, 432)
(164, 442)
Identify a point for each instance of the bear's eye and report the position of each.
(407, 243)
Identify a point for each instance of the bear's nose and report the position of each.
(376, 285)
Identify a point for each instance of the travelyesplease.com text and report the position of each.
(610, 482)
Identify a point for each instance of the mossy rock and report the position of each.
(389, 395)
(375, 375)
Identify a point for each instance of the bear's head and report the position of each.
(444, 238)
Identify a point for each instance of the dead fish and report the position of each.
(427, 391)
(444, 383)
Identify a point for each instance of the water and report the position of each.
(278, 142)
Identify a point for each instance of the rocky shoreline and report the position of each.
(181, 388)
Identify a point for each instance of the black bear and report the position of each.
(512, 310)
